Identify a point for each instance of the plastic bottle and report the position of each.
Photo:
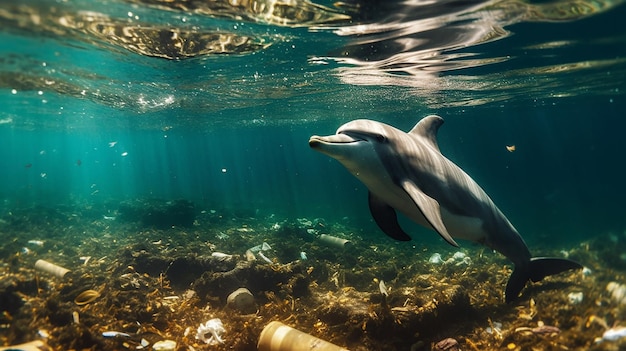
(334, 241)
(51, 268)
(278, 337)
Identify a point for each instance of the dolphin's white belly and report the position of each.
(378, 181)
(461, 227)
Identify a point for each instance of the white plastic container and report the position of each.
(334, 241)
(278, 337)
(51, 268)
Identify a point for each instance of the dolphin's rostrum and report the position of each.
(406, 172)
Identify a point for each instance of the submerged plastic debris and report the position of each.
(221, 255)
(51, 268)
(617, 291)
(261, 247)
(164, 345)
(334, 241)
(575, 297)
(383, 288)
(448, 344)
(458, 258)
(258, 250)
(112, 334)
(214, 329)
(435, 258)
(613, 334)
(279, 337)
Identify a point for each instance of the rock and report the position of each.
(242, 301)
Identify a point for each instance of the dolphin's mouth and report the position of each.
(316, 141)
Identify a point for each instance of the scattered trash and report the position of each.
(334, 241)
(303, 256)
(448, 344)
(459, 257)
(383, 288)
(612, 334)
(221, 255)
(112, 334)
(617, 291)
(278, 337)
(495, 327)
(250, 256)
(144, 343)
(540, 329)
(85, 259)
(264, 258)
(51, 268)
(575, 297)
(164, 345)
(36, 242)
(86, 297)
(435, 258)
(214, 329)
(261, 247)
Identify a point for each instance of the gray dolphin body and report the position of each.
(407, 172)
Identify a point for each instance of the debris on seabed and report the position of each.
(157, 284)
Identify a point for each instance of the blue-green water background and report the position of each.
(230, 132)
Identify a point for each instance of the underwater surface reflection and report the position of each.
(242, 55)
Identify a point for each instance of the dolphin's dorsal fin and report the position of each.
(427, 128)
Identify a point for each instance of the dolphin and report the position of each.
(406, 172)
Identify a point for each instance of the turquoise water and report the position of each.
(114, 100)
(159, 151)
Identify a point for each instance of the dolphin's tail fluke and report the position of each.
(537, 269)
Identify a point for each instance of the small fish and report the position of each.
(79, 162)
(28, 165)
(112, 144)
(112, 334)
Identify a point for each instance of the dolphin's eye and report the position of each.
(381, 138)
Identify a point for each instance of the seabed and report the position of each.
(149, 281)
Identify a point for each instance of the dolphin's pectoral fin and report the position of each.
(385, 216)
(429, 208)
